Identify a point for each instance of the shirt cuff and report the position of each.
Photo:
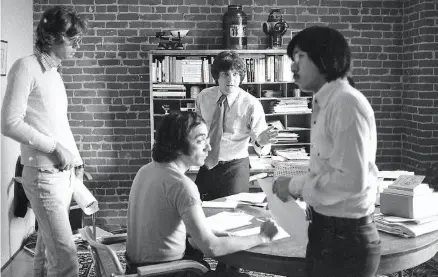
(296, 184)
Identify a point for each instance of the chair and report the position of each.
(106, 263)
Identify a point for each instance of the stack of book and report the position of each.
(293, 153)
(295, 105)
(168, 90)
(406, 227)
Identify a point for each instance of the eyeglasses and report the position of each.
(74, 41)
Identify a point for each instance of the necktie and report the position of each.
(216, 130)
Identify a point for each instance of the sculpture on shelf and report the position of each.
(275, 28)
(173, 41)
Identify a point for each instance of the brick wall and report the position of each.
(108, 85)
(420, 86)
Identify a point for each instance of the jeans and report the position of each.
(49, 192)
(336, 249)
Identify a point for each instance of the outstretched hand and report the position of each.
(268, 136)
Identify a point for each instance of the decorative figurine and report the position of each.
(275, 28)
(173, 41)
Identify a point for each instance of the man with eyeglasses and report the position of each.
(34, 113)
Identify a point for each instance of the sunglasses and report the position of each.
(73, 41)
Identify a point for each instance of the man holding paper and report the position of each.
(341, 186)
(165, 205)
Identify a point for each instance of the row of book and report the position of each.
(268, 69)
(168, 90)
(173, 69)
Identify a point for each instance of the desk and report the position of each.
(287, 257)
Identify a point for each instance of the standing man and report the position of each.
(34, 113)
(341, 186)
(234, 117)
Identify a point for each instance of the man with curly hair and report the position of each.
(34, 113)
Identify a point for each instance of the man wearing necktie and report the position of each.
(234, 118)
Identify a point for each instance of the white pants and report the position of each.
(49, 192)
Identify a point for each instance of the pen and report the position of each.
(259, 220)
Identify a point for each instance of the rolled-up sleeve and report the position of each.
(257, 125)
(15, 105)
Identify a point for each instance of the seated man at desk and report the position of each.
(234, 117)
(165, 206)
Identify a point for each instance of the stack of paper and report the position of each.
(406, 227)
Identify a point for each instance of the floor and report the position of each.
(20, 266)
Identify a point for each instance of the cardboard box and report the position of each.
(415, 207)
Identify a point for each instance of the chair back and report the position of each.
(106, 263)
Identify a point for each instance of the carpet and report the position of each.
(86, 269)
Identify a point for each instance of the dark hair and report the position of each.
(172, 135)
(55, 23)
(326, 47)
(351, 81)
(228, 60)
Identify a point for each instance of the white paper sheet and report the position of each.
(255, 197)
(84, 198)
(221, 204)
(252, 231)
(228, 220)
(289, 215)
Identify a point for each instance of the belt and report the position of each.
(318, 218)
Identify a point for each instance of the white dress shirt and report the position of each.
(342, 179)
(244, 120)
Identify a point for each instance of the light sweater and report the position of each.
(34, 113)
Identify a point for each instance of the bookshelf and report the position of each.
(173, 73)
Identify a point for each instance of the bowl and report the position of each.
(182, 33)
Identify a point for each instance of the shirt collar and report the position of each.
(230, 97)
(46, 61)
(326, 91)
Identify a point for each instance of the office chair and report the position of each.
(106, 263)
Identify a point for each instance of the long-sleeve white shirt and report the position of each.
(244, 120)
(342, 179)
(34, 113)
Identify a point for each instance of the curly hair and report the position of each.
(55, 23)
(172, 136)
(326, 47)
(228, 60)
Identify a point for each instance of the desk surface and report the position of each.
(285, 256)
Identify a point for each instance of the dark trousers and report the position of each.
(342, 247)
(225, 179)
(190, 254)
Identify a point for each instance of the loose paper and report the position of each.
(219, 204)
(228, 220)
(255, 197)
(84, 198)
(256, 230)
(289, 215)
